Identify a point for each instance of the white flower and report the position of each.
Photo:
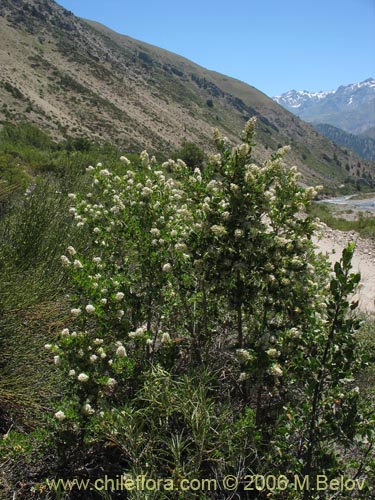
(48, 347)
(138, 333)
(217, 135)
(144, 157)
(57, 360)
(155, 231)
(72, 196)
(215, 159)
(311, 192)
(212, 184)
(125, 160)
(60, 415)
(71, 373)
(281, 240)
(272, 353)
(104, 172)
(181, 247)
(167, 268)
(121, 351)
(82, 377)
(98, 341)
(93, 358)
(295, 333)
(119, 296)
(146, 191)
(238, 233)
(166, 338)
(250, 126)
(243, 376)
(218, 230)
(120, 313)
(111, 383)
(88, 409)
(103, 301)
(244, 149)
(65, 261)
(244, 355)
(180, 164)
(89, 168)
(90, 308)
(64, 332)
(276, 370)
(71, 250)
(77, 264)
(97, 260)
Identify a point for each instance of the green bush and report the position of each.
(25, 134)
(191, 154)
(204, 336)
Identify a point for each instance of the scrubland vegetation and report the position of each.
(362, 224)
(173, 321)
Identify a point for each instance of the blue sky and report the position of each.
(274, 45)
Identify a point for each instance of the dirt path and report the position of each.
(333, 242)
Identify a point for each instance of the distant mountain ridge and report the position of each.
(78, 78)
(361, 144)
(350, 107)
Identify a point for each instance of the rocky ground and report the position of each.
(332, 243)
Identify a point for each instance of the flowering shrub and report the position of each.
(212, 269)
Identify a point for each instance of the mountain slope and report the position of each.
(77, 77)
(364, 146)
(350, 107)
(370, 132)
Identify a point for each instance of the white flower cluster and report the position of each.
(244, 355)
(218, 230)
(138, 333)
(276, 370)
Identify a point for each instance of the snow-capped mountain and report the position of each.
(294, 99)
(350, 107)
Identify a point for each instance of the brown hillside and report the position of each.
(79, 78)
